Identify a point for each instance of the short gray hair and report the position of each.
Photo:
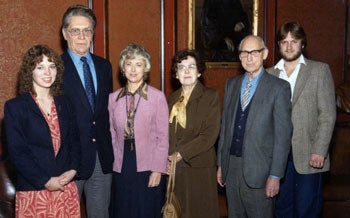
(133, 51)
(78, 10)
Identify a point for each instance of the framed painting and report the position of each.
(216, 28)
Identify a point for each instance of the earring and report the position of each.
(177, 77)
(199, 75)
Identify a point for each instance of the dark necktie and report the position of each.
(129, 129)
(131, 115)
(89, 84)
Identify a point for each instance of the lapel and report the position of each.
(192, 104)
(34, 108)
(234, 92)
(72, 81)
(302, 78)
(174, 97)
(258, 99)
(32, 105)
(275, 72)
(61, 120)
(99, 82)
(197, 92)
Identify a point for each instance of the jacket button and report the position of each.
(94, 140)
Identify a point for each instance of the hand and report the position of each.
(238, 27)
(168, 167)
(272, 187)
(54, 184)
(219, 177)
(317, 161)
(229, 44)
(178, 157)
(67, 176)
(154, 179)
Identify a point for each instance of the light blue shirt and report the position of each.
(255, 83)
(79, 66)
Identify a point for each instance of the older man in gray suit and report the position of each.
(255, 136)
(313, 117)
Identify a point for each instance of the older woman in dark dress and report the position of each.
(194, 127)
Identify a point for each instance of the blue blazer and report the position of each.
(93, 127)
(30, 144)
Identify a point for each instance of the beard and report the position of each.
(293, 58)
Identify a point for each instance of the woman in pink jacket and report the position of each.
(139, 129)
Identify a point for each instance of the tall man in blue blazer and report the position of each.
(313, 117)
(90, 99)
(255, 136)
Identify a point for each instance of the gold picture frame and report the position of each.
(224, 55)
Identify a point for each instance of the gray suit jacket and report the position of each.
(268, 132)
(313, 114)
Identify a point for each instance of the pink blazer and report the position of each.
(151, 130)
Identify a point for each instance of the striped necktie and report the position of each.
(246, 95)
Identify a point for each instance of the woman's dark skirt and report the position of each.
(130, 196)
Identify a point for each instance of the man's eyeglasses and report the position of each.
(255, 53)
(184, 67)
(76, 32)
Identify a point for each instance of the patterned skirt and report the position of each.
(47, 204)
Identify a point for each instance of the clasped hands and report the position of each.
(58, 183)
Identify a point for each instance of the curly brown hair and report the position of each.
(30, 60)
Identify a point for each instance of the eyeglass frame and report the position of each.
(183, 68)
(254, 53)
(88, 32)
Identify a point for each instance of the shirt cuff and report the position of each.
(274, 177)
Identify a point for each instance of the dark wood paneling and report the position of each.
(170, 42)
(100, 46)
(270, 28)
